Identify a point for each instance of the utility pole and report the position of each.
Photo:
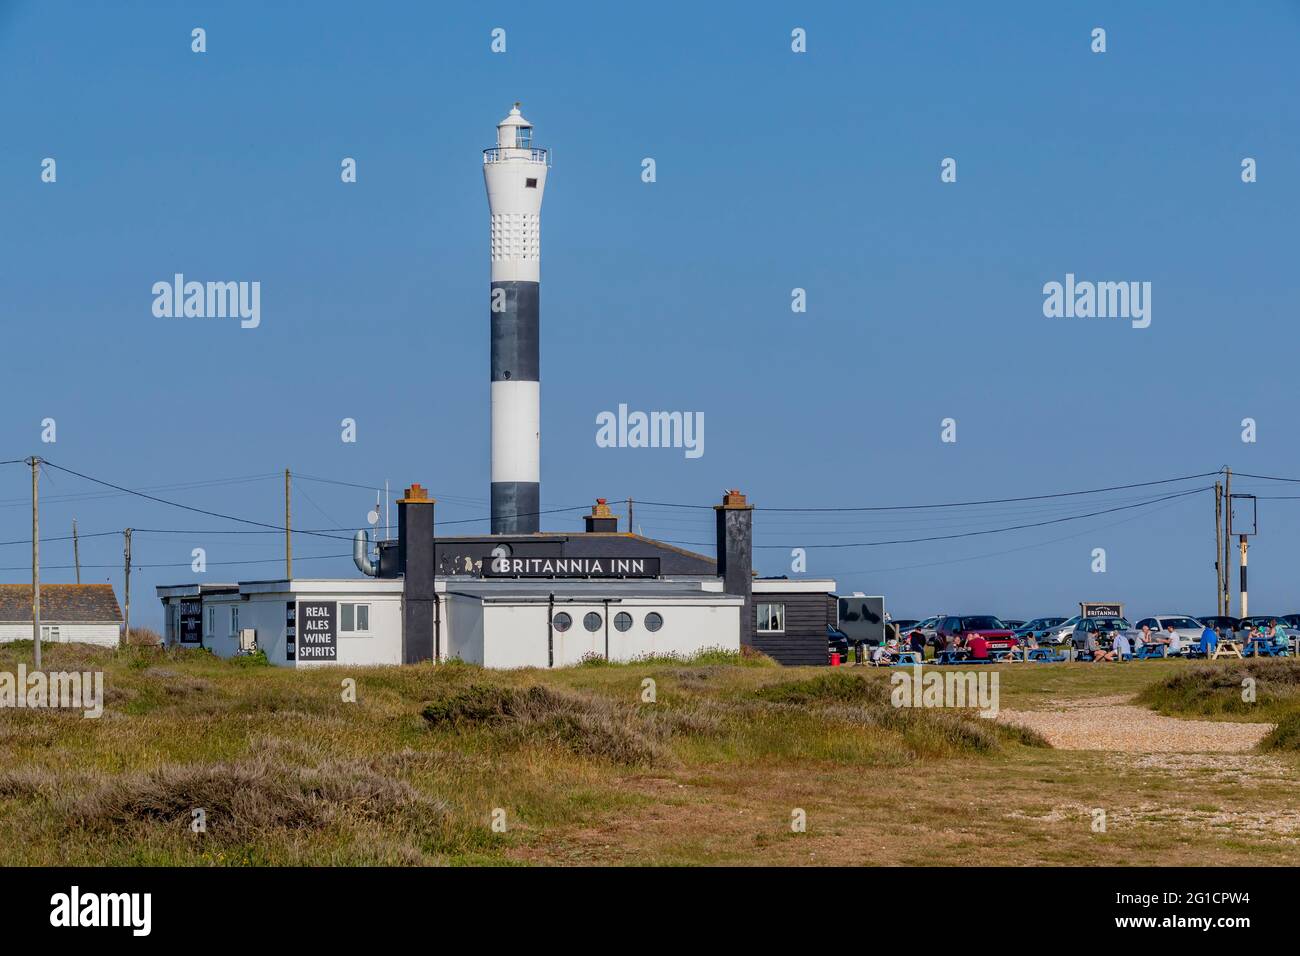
(288, 535)
(76, 551)
(629, 514)
(36, 561)
(1227, 541)
(1220, 586)
(126, 552)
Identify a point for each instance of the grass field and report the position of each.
(575, 766)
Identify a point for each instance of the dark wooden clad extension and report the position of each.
(804, 640)
(61, 604)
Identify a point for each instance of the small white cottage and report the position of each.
(86, 613)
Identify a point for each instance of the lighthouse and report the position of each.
(514, 171)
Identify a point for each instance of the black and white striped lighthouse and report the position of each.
(515, 173)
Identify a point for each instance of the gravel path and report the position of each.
(1112, 723)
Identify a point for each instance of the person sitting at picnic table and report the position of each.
(1094, 650)
(1277, 636)
(950, 643)
(1143, 638)
(917, 642)
(1122, 648)
(880, 655)
(1173, 643)
(978, 647)
(1209, 641)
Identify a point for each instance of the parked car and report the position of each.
(1222, 624)
(1260, 622)
(1104, 628)
(1063, 633)
(905, 624)
(1292, 620)
(1013, 623)
(1188, 628)
(837, 642)
(987, 626)
(1039, 628)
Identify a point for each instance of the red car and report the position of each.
(990, 628)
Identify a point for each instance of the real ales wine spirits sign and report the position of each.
(317, 631)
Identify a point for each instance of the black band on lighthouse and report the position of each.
(515, 505)
(514, 310)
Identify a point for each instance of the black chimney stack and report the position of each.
(735, 519)
(415, 557)
(601, 519)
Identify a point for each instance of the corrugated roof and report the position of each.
(61, 604)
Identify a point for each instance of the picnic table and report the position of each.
(907, 659)
(1264, 647)
(1147, 651)
(958, 655)
(1227, 649)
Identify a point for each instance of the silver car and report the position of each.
(927, 628)
(1187, 628)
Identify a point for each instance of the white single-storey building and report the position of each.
(304, 622)
(84, 613)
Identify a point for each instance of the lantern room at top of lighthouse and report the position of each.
(515, 142)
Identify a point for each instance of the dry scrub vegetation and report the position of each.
(582, 767)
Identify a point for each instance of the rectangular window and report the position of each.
(530, 184)
(49, 632)
(212, 622)
(771, 618)
(354, 618)
(234, 622)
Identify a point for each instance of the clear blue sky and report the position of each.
(775, 171)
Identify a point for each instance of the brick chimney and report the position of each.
(601, 519)
(415, 557)
(735, 524)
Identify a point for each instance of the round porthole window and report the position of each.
(592, 621)
(623, 621)
(653, 621)
(562, 621)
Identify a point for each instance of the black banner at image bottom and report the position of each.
(135, 905)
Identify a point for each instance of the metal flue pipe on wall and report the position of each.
(361, 556)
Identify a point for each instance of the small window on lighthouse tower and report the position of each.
(524, 137)
(530, 184)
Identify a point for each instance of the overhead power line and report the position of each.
(993, 554)
(176, 504)
(182, 564)
(956, 504)
(963, 534)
